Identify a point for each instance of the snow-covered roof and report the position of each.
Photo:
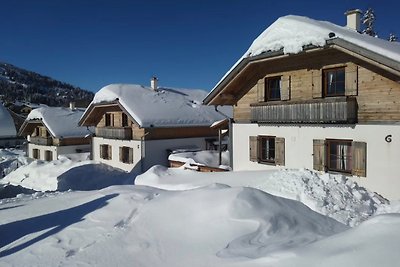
(164, 107)
(292, 34)
(61, 122)
(7, 127)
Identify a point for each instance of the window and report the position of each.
(273, 88)
(334, 82)
(339, 156)
(267, 149)
(126, 154)
(105, 152)
(124, 120)
(36, 153)
(48, 155)
(109, 119)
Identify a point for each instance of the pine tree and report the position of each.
(368, 21)
(392, 37)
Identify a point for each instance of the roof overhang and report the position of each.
(28, 126)
(248, 71)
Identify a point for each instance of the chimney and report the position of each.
(72, 105)
(354, 19)
(153, 83)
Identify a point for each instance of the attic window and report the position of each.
(273, 88)
(124, 120)
(108, 119)
(334, 82)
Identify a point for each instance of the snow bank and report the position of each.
(7, 127)
(164, 107)
(202, 158)
(11, 159)
(61, 122)
(66, 173)
(331, 195)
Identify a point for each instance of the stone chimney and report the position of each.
(354, 19)
(72, 105)
(154, 83)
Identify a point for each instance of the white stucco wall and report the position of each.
(116, 144)
(57, 150)
(383, 167)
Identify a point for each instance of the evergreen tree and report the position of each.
(368, 21)
(392, 37)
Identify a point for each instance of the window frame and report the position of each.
(36, 153)
(128, 159)
(325, 81)
(268, 90)
(260, 140)
(108, 120)
(108, 152)
(349, 158)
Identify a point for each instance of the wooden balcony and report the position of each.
(124, 133)
(325, 110)
(43, 141)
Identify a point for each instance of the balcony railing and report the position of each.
(115, 133)
(327, 110)
(44, 141)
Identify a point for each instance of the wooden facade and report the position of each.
(110, 125)
(41, 136)
(376, 92)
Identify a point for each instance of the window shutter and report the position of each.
(261, 90)
(359, 152)
(130, 155)
(109, 152)
(351, 80)
(253, 144)
(280, 151)
(319, 155)
(101, 152)
(285, 88)
(316, 84)
(121, 154)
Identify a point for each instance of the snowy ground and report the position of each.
(184, 218)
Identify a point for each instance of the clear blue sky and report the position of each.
(189, 44)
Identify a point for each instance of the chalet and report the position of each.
(54, 131)
(137, 127)
(312, 94)
(8, 133)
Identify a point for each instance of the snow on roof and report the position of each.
(7, 127)
(165, 107)
(291, 33)
(61, 122)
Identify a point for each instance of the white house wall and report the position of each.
(116, 144)
(383, 167)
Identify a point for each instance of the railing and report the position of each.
(327, 110)
(45, 141)
(115, 133)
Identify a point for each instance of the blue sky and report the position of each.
(187, 44)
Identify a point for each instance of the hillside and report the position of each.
(23, 85)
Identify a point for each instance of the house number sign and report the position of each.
(388, 138)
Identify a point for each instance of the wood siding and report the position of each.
(377, 92)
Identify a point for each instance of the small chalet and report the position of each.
(137, 126)
(312, 94)
(8, 133)
(54, 131)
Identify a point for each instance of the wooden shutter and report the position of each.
(359, 153)
(285, 88)
(261, 90)
(101, 152)
(316, 84)
(280, 151)
(319, 155)
(109, 152)
(253, 144)
(351, 80)
(130, 155)
(121, 154)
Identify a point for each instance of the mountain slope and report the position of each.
(20, 84)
